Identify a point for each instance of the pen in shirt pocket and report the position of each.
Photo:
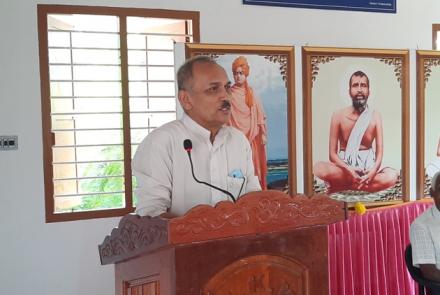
(236, 173)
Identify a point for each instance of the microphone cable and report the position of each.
(187, 145)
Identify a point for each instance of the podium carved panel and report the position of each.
(266, 243)
(260, 275)
(257, 212)
(134, 235)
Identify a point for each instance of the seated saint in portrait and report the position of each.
(356, 145)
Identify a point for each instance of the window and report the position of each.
(435, 36)
(107, 80)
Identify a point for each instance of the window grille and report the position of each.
(107, 79)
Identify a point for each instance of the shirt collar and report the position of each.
(204, 133)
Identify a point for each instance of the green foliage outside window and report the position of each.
(101, 185)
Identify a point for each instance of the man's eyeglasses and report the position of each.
(218, 88)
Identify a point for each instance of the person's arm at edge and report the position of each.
(430, 272)
(418, 234)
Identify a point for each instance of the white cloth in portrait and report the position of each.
(352, 155)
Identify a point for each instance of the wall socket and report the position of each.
(8, 142)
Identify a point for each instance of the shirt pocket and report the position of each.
(236, 186)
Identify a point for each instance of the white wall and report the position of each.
(40, 258)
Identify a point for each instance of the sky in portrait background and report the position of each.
(330, 92)
(266, 81)
(432, 118)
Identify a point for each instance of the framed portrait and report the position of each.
(356, 124)
(262, 105)
(428, 120)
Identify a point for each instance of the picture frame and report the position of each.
(428, 142)
(271, 77)
(327, 78)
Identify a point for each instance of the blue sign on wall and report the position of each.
(388, 6)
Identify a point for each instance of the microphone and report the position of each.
(187, 145)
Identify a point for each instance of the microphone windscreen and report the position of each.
(187, 145)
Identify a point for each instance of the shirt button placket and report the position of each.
(212, 176)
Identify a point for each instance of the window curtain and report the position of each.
(366, 252)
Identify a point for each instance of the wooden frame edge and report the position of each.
(307, 53)
(421, 56)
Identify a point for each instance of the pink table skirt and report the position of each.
(366, 253)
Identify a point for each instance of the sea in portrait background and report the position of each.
(277, 173)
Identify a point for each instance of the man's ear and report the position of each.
(184, 100)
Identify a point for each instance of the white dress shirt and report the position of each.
(163, 171)
(425, 238)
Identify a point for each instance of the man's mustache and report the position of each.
(226, 104)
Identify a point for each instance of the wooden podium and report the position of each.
(266, 243)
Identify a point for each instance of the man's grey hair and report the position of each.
(185, 72)
(435, 185)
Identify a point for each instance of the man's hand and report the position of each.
(431, 272)
(355, 174)
(367, 178)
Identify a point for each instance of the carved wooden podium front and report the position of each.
(266, 243)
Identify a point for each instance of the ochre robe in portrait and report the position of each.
(252, 122)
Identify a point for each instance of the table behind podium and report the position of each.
(266, 243)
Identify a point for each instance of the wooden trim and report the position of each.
(45, 109)
(48, 138)
(420, 109)
(400, 204)
(325, 52)
(87, 215)
(291, 124)
(126, 113)
(196, 28)
(422, 70)
(405, 126)
(119, 11)
(307, 123)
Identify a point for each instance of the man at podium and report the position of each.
(216, 162)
